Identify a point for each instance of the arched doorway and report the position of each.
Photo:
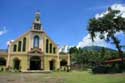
(35, 63)
(63, 63)
(2, 61)
(16, 62)
(52, 65)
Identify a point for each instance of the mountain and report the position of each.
(65, 49)
(97, 48)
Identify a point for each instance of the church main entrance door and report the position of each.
(52, 64)
(35, 63)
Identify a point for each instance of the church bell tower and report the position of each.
(37, 23)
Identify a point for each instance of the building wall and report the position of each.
(49, 58)
(23, 61)
(23, 55)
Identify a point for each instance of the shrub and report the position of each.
(100, 69)
(115, 68)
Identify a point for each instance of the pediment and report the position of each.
(35, 50)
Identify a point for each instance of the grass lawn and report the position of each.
(61, 77)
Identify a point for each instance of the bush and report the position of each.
(100, 69)
(115, 68)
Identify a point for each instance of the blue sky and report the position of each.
(65, 21)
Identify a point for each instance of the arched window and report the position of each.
(36, 42)
(19, 46)
(54, 50)
(24, 44)
(50, 48)
(47, 45)
(14, 48)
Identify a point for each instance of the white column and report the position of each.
(68, 59)
(8, 58)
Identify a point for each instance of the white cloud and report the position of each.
(120, 7)
(9, 42)
(65, 48)
(101, 15)
(3, 31)
(86, 41)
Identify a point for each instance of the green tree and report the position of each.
(79, 56)
(73, 50)
(107, 26)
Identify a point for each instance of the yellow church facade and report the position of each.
(34, 50)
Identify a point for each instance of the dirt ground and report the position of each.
(29, 78)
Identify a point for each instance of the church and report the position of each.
(34, 50)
